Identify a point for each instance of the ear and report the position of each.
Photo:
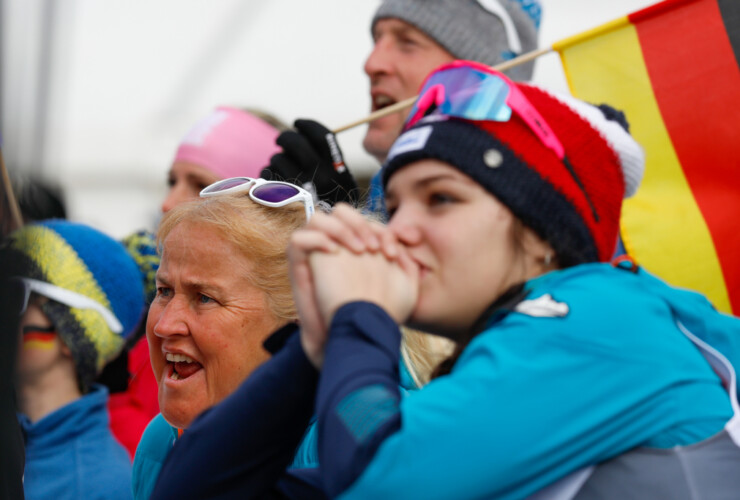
(539, 250)
(66, 351)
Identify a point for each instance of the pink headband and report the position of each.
(231, 143)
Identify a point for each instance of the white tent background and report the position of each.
(96, 94)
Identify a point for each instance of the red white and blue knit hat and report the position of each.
(576, 212)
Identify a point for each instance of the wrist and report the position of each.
(358, 315)
(314, 352)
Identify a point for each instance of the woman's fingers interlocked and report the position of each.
(352, 230)
(344, 256)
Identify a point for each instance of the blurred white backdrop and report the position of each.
(96, 94)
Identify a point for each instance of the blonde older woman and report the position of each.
(222, 288)
(227, 142)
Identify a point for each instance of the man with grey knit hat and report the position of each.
(411, 38)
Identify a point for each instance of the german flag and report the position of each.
(39, 337)
(674, 68)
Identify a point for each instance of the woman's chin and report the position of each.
(178, 418)
(179, 400)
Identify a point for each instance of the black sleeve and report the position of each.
(12, 450)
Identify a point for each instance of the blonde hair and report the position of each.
(423, 352)
(259, 233)
(269, 118)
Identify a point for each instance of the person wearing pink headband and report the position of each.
(229, 142)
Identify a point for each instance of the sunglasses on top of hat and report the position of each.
(63, 296)
(473, 91)
(264, 192)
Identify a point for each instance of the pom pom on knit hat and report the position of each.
(573, 204)
(487, 31)
(83, 260)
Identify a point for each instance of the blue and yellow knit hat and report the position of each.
(81, 259)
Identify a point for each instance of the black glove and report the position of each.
(311, 158)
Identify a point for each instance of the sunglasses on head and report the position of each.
(267, 193)
(473, 91)
(66, 297)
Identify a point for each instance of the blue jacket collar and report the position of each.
(79, 416)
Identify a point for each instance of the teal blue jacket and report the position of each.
(592, 364)
(158, 439)
(589, 365)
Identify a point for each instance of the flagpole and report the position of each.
(15, 213)
(407, 103)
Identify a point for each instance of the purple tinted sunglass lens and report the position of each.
(274, 193)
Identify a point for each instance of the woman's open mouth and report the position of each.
(181, 366)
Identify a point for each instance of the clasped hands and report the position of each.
(341, 258)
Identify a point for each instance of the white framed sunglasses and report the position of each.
(264, 192)
(68, 298)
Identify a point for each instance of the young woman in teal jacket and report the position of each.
(574, 378)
